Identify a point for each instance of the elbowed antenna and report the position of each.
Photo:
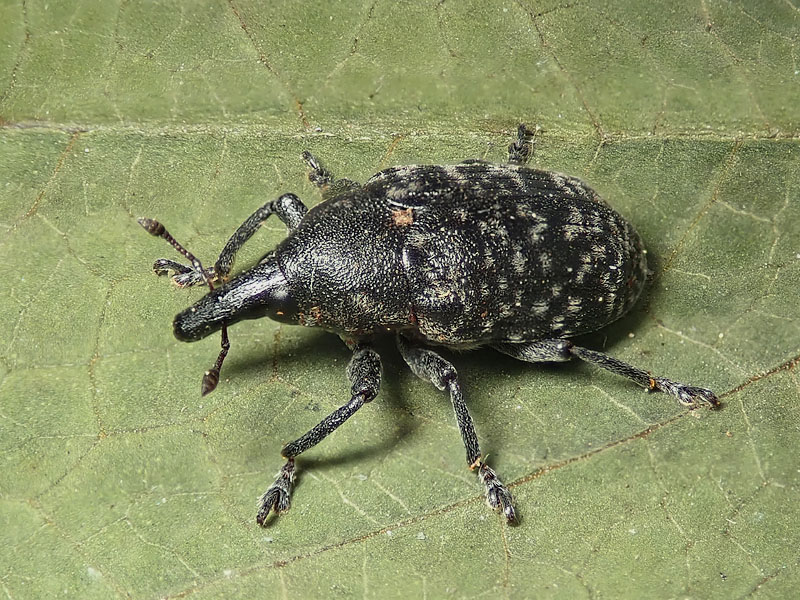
(210, 377)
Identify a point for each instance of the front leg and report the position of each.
(428, 365)
(289, 209)
(364, 373)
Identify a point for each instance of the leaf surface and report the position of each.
(119, 480)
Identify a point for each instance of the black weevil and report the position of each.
(461, 256)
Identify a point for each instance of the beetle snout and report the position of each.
(260, 292)
(194, 324)
(206, 316)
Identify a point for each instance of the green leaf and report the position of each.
(120, 480)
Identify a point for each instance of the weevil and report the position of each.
(460, 256)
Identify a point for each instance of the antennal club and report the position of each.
(211, 377)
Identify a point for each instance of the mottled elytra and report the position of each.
(459, 256)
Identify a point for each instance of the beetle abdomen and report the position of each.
(506, 253)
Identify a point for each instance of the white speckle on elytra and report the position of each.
(537, 230)
(519, 262)
(572, 232)
(599, 225)
(575, 216)
(546, 261)
(515, 177)
(584, 269)
(396, 192)
(540, 308)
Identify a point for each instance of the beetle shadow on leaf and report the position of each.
(391, 410)
(497, 366)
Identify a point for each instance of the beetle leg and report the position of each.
(519, 151)
(364, 373)
(182, 275)
(319, 175)
(289, 209)
(428, 365)
(561, 350)
(324, 179)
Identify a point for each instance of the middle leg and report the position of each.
(520, 150)
(321, 177)
(428, 365)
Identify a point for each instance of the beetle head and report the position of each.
(259, 292)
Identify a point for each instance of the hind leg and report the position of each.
(557, 350)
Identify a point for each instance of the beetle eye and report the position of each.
(281, 306)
